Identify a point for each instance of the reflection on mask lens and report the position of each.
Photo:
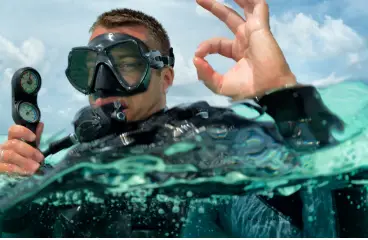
(81, 67)
(127, 61)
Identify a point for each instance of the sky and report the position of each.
(325, 43)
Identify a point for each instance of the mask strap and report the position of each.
(169, 60)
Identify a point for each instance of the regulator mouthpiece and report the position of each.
(118, 114)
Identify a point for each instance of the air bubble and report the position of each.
(175, 209)
(201, 209)
(161, 211)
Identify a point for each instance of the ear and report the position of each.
(167, 78)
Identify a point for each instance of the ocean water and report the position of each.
(343, 165)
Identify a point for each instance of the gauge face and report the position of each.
(29, 82)
(28, 112)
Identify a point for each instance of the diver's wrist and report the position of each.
(292, 103)
(274, 90)
(285, 82)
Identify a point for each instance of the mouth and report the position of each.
(103, 101)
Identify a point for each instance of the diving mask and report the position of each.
(115, 64)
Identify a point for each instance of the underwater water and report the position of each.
(142, 174)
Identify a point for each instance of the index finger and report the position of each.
(20, 132)
(222, 46)
(229, 16)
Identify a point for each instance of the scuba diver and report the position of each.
(129, 62)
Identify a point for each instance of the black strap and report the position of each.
(169, 60)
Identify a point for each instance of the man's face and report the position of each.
(142, 105)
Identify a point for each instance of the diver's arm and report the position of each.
(301, 117)
(262, 156)
(303, 109)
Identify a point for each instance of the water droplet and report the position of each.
(310, 219)
(189, 194)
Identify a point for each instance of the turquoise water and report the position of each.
(321, 169)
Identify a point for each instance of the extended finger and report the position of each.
(26, 164)
(11, 169)
(229, 16)
(222, 46)
(248, 5)
(23, 149)
(211, 78)
(20, 132)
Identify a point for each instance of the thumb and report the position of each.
(39, 132)
(211, 78)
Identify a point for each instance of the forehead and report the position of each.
(136, 31)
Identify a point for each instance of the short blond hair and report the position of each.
(125, 17)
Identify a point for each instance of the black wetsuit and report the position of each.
(302, 123)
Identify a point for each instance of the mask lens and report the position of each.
(81, 68)
(129, 63)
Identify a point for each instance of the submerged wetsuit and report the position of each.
(302, 123)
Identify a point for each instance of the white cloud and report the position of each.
(303, 36)
(330, 80)
(185, 72)
(31, 52)
(6, 79)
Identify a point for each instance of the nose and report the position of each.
(105, 80)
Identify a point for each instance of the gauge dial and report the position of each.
(29, 82)
(28, 112)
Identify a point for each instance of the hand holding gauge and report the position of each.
(26, 83)
(19, 157)
(20, 153)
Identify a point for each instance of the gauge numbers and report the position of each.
(29, 82)
(28, 112)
